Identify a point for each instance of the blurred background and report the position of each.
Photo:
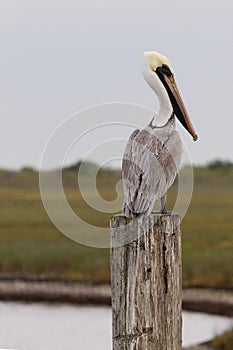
(59, 57)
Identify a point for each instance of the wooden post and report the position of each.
(146, 283)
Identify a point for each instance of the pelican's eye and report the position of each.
(166, 70)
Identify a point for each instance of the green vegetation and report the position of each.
(208, 230)
(30, 245)
(223, 341)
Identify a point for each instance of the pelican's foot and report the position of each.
(164, 211)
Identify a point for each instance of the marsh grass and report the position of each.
(30, 245)
(223, 341)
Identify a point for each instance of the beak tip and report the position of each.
(195, 137)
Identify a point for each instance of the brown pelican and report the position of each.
(152, 155)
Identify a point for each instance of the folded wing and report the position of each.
(149, 167)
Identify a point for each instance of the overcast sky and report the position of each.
(58, 57)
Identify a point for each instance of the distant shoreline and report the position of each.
(219, 302)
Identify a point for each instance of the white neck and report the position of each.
(165, 106)
(165, 109)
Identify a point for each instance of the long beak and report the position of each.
(177, 102)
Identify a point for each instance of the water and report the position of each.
(67, 327)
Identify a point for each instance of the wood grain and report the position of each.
(146, 283)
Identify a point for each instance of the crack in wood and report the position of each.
(165, 268)
(131, 337)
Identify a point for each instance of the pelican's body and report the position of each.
(150, 163)
(152, 155)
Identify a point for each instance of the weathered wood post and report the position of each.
(146, 283)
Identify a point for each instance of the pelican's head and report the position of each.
(158, 72)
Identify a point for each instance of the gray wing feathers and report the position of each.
(170, 158)
(149, 168)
